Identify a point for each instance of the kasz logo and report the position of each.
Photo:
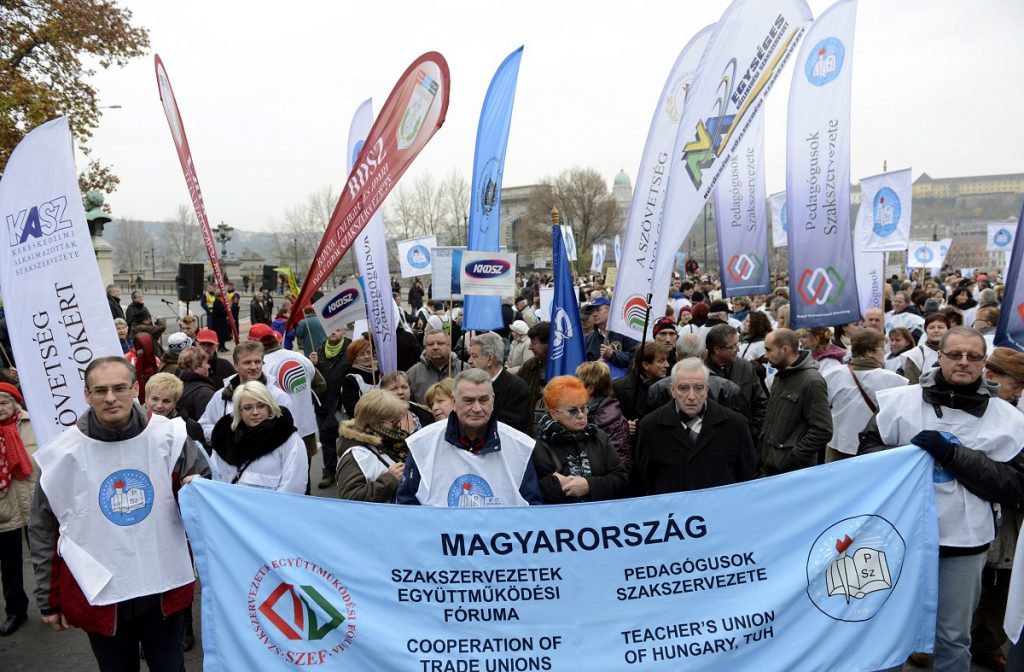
(488, 268)
(820, 286)
(43, 220)
(341, 302)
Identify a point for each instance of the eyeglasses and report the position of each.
(118, 390)
(574, 411)
(249, 408)
(699, 388)
(957, 356)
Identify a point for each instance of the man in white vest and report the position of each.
(903, 314)
(108, 544)
(471, 460)
(952, 410)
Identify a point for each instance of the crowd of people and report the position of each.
(724, 392)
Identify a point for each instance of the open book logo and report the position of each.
(853, 567)
(126, 497)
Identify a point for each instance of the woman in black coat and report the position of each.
(575, 461)
(194, 371)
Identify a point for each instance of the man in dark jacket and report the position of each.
(331, 362)
(722, 343)
(692, 443)
(114, 299)
(534, 372)
(511, 394)
(798, 424)
(615, 349)
(720, 390)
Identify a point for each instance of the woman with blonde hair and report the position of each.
(257, 444)
(574, 459)
(373, 449)
(416, 416)
(18, 476)
(440, 398)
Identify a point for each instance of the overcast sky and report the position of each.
(267, 91)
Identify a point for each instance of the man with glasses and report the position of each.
(723, 347)
(99, 480)
(472, 460)
(248, 357)
(951, 413)
(694, 442)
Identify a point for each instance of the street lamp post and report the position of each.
(223, 236)
(152, 258)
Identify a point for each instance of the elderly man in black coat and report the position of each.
(692, 443)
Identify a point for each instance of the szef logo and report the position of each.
(297, 609)
(825, 61)
(702, 151)
(634, 312)
(291, 377)
(563, 332)
(744, 267)
(924, 254)
(1002, 238)
(885, 212)
(820, 286)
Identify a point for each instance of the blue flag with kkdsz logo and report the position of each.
(1010, 328)
(842, 579)
(484, 312)
(566, 350)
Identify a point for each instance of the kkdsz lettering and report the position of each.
(40, 220)
(367, 167)
(343, 301)
(487, 268)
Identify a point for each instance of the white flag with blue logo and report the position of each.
(569, 240)
(414, 255)
(883, 220)
(597, 257)
(1000, 237)
(342, 306)
(925, 254)
(779, 222)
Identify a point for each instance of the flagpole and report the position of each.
(640, 357)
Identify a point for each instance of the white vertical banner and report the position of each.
(944, 246)
(779, 222)
(1000, 237)
(748, 49)
(569, 240)
(870, 279)
(415, 256)
(883, 220)
(371, 252)
(639, 250)
(57, 316)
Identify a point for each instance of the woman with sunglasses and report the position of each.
(574, 459)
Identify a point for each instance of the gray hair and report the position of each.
(987, 297)
(118, 322)
(473, 377)
(136, 293)
(965, 332)
(491, 345)
(690, 364)
(689, 345)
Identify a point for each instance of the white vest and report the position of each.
(453, 477)
(293, 373)
(965, 520)
(924, 358)
(368, 462)
(850, 413)
(905, 319)
(120, 531)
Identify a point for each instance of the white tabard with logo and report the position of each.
(293, 373)
(120, 531)
(965, 520)
(453, 477)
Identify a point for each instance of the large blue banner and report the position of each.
(484, 312)
(1010, 328)
(830, 568)
(566, 350)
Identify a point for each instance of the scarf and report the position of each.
(392, 441)
(967, 398)
(246, 444)
(332, 350)
(14, 461)
(555, 434)
(864, 364)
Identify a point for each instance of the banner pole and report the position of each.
(638, 358)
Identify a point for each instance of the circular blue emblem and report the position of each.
(356, 149)
(126, 497)
(923, 254)
(1002, 238)
(825, 61)
(885, 212)
(418, 256)
(470, 491)
(940, 475)
(784, 216)
(853, 567)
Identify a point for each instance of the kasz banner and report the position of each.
(821, 263)
(845, 581)
(487, 273)
(57, 318)
(410, 116)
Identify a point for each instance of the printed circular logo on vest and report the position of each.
(825, 61)
(126, 497)
(853, 567)
(418, 256)
(885, 212)
(469, 490)
(291, 377)
(300, 611)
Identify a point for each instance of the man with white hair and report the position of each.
(903, 315)
(472, 460)
(694, 442)
(511, 394)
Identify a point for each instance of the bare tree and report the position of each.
(182, 241)
(429, 208)
(131, 242)
(584, 203)
(455, 197)
(298, 234)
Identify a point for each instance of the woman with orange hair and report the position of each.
(361, 375)
(574, 459)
